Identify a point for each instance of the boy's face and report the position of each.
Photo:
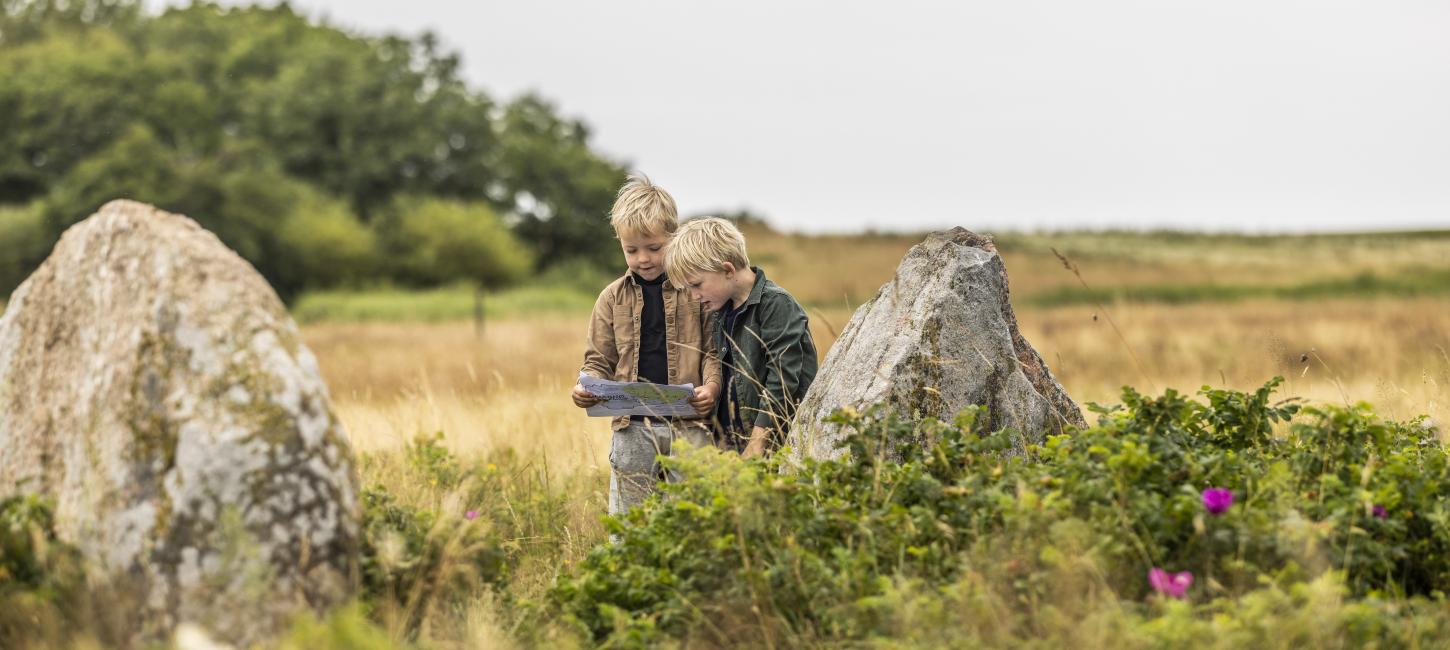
(645, 254)
(712, 289)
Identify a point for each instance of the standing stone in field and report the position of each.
(154, 386)
(938, 337)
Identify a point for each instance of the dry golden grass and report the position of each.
(509, 389)
(1388, 352)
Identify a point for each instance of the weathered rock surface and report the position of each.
(938, 337)
(154, 386)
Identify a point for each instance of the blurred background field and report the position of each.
(1193, 310)
(842, 271)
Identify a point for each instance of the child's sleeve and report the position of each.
(601, 356)
(784, 329)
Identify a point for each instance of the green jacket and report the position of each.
(772, 361)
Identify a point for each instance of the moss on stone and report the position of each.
(154, 434)
(923, 370)
(259, 413)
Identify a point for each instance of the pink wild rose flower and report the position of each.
(1174, 585)
(1218, 500)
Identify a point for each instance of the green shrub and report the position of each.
(434, 241)
(742, 552)
(324, 243)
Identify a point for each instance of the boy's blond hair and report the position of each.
(704, 245)
(643, 208)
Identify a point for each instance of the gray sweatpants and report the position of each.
(634, 472)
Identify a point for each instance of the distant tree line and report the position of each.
(325, 158)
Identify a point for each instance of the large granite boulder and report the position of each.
(154, 386)
(938, 337)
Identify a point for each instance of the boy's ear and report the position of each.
(729, 269)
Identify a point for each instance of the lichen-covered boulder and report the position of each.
(154, 386)
(940, 336)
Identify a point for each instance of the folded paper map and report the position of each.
(638, 398)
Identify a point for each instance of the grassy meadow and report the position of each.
(1154, 311)
(1343, 318)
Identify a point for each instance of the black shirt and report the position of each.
(727, 409)
(654, 365)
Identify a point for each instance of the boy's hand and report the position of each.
(583, 398)
(704, 398)
(756, 447)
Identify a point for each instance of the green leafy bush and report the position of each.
(746, 553)
(326, 245)
(434, 241)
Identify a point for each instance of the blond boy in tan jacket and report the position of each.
(644, 328)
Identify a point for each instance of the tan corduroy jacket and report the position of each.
(612, 350)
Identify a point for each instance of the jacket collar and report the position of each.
(629, 277)
(759, 287)
(755, 291)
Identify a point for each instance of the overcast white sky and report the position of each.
(1251, 115)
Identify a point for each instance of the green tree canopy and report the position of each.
(298, 143)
